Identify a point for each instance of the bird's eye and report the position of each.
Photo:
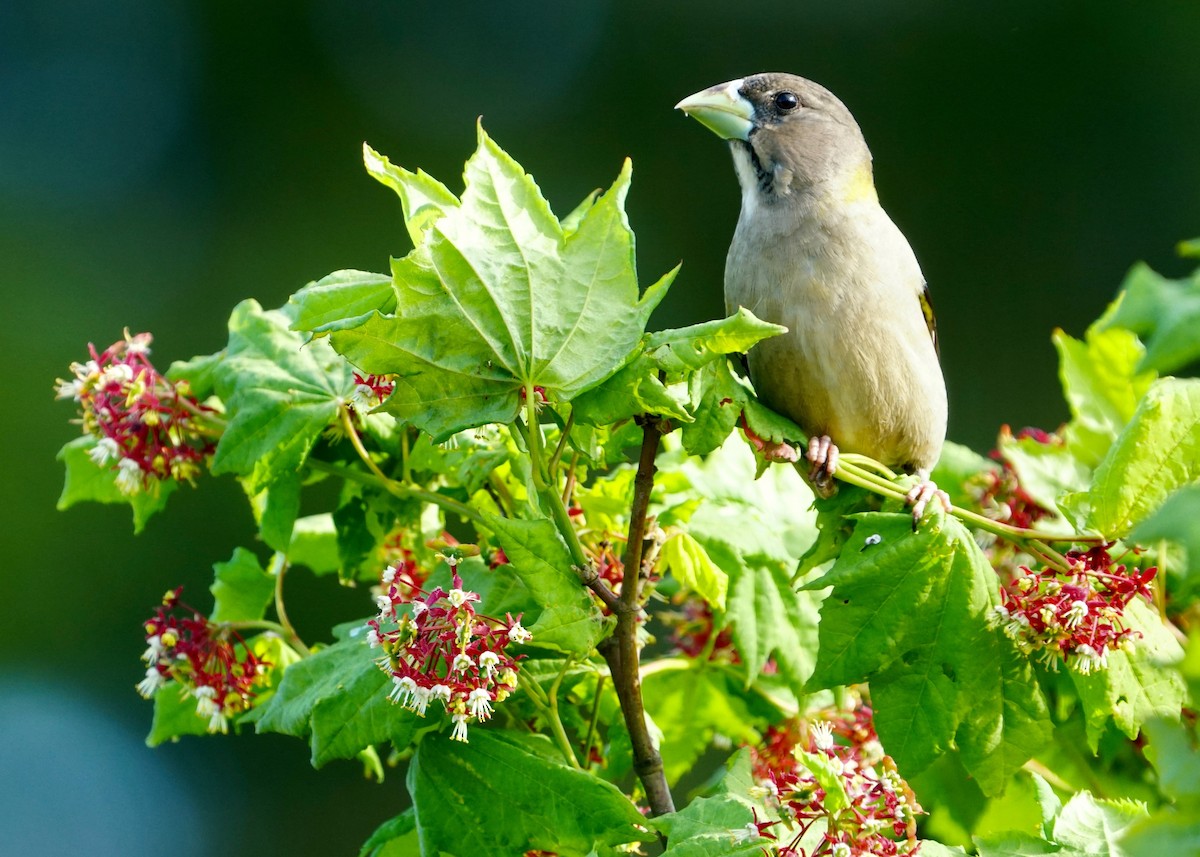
(786, 101)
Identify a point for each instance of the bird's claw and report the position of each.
(822, 458)
(921, 494)
(771, 450)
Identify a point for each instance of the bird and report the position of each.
(858, 368)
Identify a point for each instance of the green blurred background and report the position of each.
(159, 161)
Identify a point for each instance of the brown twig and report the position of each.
(620, 650)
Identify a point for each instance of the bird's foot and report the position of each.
(921, 495)
(771, 450)
(822, 458)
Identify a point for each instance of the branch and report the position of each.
(620, 650)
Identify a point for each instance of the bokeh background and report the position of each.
(159, 161)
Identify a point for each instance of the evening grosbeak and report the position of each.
(814, 251)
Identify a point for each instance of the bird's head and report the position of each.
(788, 134)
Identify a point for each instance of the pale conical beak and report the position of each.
(721, 109)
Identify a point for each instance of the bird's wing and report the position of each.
(930, 321)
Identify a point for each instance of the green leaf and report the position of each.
(174, 716)
(423, 198)
(1166, 313)
(1046, 471)
(1171, 749)
(279, 395)
(504, 793)
(337, 698)
(499, 299)
(692, 706)
(1102, 384)
(396, 837)
(1086, 828)
(1137, 686)
(717, 826)
(88, 482)
(339, 296)
(1166, 832)
(1157, 453)
(1175, 520)
(275, 510)
(314, 544)
(768, 617)
(689, 348)
(909, 613)
(569, 620)
(719, 402)
(686, 560)
(634, 389)
(242, 589)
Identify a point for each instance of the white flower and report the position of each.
(105, 450)
(1074, 617)
(117, 373)
(460, 728)
(459, 597)
(419, 607)
(152, 682)
(362, 396)
(746, 834)
(488, 662)
(822, 735)
(72, 389)
(373, 640)
(139, 344)
(1087, 660)
(841, 849)
(420, 700)
(479, 702)
(129, 476)
(389, 574)
(518, 634)
(441, 692)
(384, 603)
(155, 649)
(403, 690)
(462, 663)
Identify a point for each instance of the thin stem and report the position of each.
(548, 707)
(399, 489)
(279, 565)
(534, 436)
(569, 486)
(1160, 587)
(582, 564)
(562, 445)
(556, 725)
(502, 495)
(620, 650)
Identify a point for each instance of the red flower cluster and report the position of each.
(210, 661)
(145, 426)
(437, 648)
(1076, 616)
(831, 782)
(402, 569)
(369, 391)
(692, 630)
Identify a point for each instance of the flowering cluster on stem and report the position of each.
(832, 784)
(146, 427)
(369, 391)
(1076, 616)
(438, 649)
(210, 661)
(402, 569)
(692, 628)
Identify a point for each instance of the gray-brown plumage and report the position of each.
(814, 251)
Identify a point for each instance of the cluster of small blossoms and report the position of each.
(402, 569)
(145, 426)
(1076, 616)
(369, 391)
(209, 661)
(692, 629)
(438, 649)
(789, 766)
